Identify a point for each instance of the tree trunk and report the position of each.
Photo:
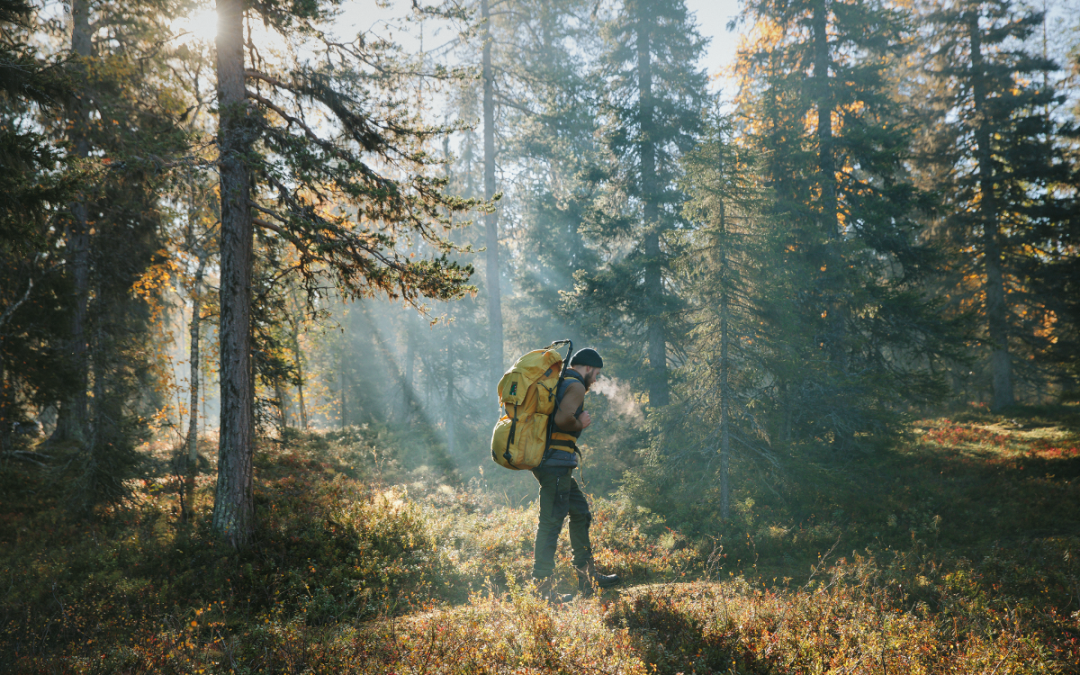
(997, 315)
(491, 220)
(654, 281)
(832, 283)
(6, 408)
(826, 159)
(71, 423)
(233, 506)
(341, 378)
(294, 325)
(282, 395)
(300, 396)
(195, 364)
(449, 411)
(725, 393)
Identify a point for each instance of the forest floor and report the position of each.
(957, 551)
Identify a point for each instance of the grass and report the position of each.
(956, 552)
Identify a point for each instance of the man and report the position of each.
(559, 492)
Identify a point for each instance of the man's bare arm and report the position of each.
(572, 400)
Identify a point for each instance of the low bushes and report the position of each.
(363, 565)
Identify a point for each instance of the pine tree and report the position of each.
(102, 99)
(724, 273)
(994, 152)
(654, 100)
(491, 219)
(550, 145)
(34, 178)
(855, 337)
(327, 191)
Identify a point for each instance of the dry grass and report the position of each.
(362, 565)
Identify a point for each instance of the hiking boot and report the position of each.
(589, 579)
(545, 589)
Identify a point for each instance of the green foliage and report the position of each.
(348, 198)
(34, 177)
(849, 334)
(993, 148)
(650, 115)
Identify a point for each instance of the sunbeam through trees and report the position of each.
(264, 263)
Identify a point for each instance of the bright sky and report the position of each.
(712, 18)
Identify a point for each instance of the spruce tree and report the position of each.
(854, 335)
(550, 85)
(723, 265)
(103, 106)
(994, 151)
(34, 177)
(654, 98)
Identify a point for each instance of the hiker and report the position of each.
(559, 492)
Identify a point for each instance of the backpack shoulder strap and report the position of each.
(571, 375)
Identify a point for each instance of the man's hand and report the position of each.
(585, 418)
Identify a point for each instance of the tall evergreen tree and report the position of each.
(34, 178)
(549, 90)
(845, 301)
(113, 118)
(724, 269)
(994, 150)
(654, 100)
(342, 194)
(491, 219)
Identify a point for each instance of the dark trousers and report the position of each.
(559, 497)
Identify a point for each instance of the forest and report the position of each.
(263, 264)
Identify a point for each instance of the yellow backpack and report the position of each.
(527, 395)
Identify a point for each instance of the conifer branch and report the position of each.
(284, 115)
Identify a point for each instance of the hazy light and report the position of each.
(200, 25)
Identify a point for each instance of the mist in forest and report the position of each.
(263, 266)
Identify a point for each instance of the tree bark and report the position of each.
(725, 393)
(449, 410)
(282, 395)
(997, 318)
(491, 220)
(826, 158)
(341, 382)
(234, 511)
(193, 421)
(830, 222)
(408, 391)
(300, 394)
(5, 403)
(294, 326)
(72, 420)
(836, 313)
(654, 280)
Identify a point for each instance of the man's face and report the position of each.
(590, 378)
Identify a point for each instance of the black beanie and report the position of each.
(587, 357)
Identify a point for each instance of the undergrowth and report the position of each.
(366, 563)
